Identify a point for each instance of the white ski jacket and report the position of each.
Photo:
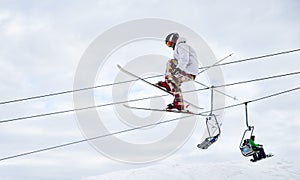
(186, 57)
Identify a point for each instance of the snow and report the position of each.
(267, 169)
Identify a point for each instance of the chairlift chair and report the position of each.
(246, 148)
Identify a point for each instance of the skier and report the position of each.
(258, 148)
(182, 68)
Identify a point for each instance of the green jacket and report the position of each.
(253, 144)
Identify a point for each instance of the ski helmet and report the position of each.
(171, 39)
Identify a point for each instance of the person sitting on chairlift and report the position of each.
(258, 148)
(246, 141)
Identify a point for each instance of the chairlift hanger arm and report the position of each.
(246, 113)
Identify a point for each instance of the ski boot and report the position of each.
(163, 84)
(175, 106)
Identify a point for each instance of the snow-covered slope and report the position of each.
(217, 171)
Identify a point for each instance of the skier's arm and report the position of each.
(253, 143)
(183, 51)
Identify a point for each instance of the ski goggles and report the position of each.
(169, 43)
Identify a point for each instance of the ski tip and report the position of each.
(118, 65)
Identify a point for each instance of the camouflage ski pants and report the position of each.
(175, 80)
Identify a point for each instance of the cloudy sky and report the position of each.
(42, 44)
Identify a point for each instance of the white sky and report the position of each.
(41, 45)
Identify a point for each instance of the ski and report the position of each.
(164, 110)
(267, 156)
(142, 79)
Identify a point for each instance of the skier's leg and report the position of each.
(177, 79)
(259, 157)
(167, 84)
(262, 152)
(173, 83)
(171, 65)
(254, 157)
(176, 82)
(178, 98)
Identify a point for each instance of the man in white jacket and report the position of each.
(184, 67)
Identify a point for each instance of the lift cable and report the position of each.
(140, 127)
(251, 59)
(128, 81)
(255, 100)
(140, 99)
